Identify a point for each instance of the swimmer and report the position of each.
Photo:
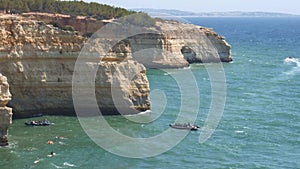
(52, 154)
(59, 137)
(50, 142)
(289, 59)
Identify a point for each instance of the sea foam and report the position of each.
(292, 60)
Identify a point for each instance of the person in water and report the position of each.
(50, 142)
(59, 137)
(52, 154)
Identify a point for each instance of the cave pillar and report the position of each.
(5, 112)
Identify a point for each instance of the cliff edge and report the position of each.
(176, 45)
(39, 59)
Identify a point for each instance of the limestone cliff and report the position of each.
(39, 59)
(170, 45)
(5, 112)
(81, 24)
(178, 44)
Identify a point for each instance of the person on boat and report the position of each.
(33, 122)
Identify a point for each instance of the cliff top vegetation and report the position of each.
(73, 8)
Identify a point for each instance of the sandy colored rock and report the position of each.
(176, 45)
(39, 60)
(5, 112)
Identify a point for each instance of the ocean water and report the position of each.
(260, 126)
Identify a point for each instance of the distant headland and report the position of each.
(179, 13)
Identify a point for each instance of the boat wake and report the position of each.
(69, 164)
(56, 166)
(65, 165)
(292, 61)
(290, 70)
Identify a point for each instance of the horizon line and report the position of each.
(230, 11)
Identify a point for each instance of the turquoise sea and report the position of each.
(260, 126)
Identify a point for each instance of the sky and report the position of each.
(282, 6)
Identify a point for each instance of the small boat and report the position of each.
(38, 123)
(184, 126)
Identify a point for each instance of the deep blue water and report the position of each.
(260, 126)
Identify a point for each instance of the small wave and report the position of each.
(56, 166)
(189, 67)
(11, 145)
(145, 112)
(69, 164)
(239, 132)
(141, 113)
(38, 160)
(294, 71)
(175, 70)
(291, 60)
(61, 143)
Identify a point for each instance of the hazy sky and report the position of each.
(284, 6)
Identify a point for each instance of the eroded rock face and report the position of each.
(5, 112)
(80, 23)
(176, 45)
(170, 45)
(39, 61)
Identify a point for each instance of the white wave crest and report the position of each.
(69, 164)
(295, 70)
(291, 60)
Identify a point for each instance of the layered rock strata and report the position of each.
(176, 45)
(39, 61)
(5, 112)
(82, 24)
(170, 45)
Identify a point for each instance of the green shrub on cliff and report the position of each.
(141, 19)
(74, 8)
(63, 27)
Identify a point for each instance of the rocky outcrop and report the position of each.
(39, 60)
(176, 45)
(170, 45)
(5, 112)
(82, 24)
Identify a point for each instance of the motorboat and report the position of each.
(44, 122)
(185, 126)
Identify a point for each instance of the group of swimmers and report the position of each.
(52, 154)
